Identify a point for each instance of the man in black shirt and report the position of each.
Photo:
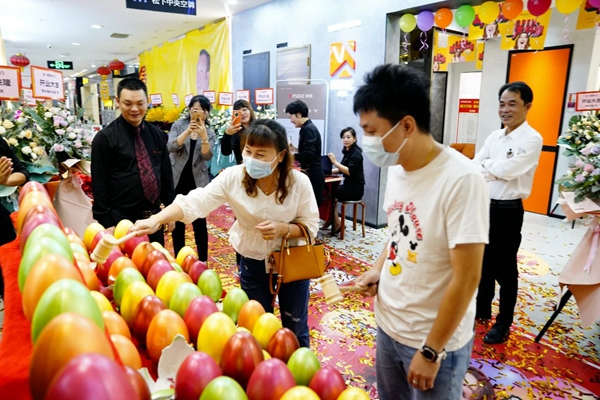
(309, 146)
(131, 170)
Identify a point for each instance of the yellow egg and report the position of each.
(168, 283)
(90, 232)
(214, 333)
(265, 327)
(102, 301)
(132, 297)
(183, 253)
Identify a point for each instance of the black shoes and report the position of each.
(498, 334)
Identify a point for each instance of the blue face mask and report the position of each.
(258, 169)
(374, 150)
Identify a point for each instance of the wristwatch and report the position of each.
(431, 355)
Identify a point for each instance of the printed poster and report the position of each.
(479, 58)
(589, 16)
(440, 51)
(526, 32)
(460, 49)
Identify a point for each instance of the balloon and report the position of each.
(511, 9)
(595, 3)
(538, 7)
(408, 23)
(63, 296)
(488, 12)
(443, 18)
(425, 20)
(91, 376)
(66, 336)
(464, 16)
(568, 6)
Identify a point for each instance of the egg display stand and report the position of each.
(105, 246)
(332, 292)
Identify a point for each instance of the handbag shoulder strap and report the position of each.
(304, 230)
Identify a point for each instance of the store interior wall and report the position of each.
(452, 96)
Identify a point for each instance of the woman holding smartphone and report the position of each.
(242, 117)
(190, 143)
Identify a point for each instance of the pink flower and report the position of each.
(588, 168)
(58, 148)
(579, 164)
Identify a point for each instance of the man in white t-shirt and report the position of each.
(508, 161)
(427, 274)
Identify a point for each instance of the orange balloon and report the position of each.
(511, 9)
(90, 278)
(115, 324)
(163, 328)
(140, 253)
(67, 335)
(47, 270)
(128, 354)
(117, 266)
(249, 313)
(443, 17)
(31, 200)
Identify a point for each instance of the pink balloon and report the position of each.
(594, 3)
(91, 376)
(538, 7)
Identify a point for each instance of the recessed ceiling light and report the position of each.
(96, 26)
(62, 55)
(93, 65)
(76, 44)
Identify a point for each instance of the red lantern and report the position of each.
(116, 66)
(19, 60)
(104, 71)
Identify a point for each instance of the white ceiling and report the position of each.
(31, 26)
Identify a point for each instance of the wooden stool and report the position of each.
(343, 216)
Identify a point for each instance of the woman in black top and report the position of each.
(232, 139)
(351, 166)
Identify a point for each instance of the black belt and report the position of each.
(515, 203)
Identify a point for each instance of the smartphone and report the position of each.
(196, 115)
(236, 118)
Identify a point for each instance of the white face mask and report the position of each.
(374, 150)
(258, 169)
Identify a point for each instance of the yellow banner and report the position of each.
(526, 32)
(588, 16)
(440, 51)
(191, 65)
(479, 59)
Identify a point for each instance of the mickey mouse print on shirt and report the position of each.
(406, 234)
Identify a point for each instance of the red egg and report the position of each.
(162, 330)
(283, 344)
(188, 261)
(91, 376)
(97, 238)
(240, 356)
(131, 244)
(138, 383)
(196, 269)
(31, 186)
(143, 314)
(151, 258)
(328, 383)
(270, 380)
(33, 222)
(156, 272)
(102, 270)
(197, 370)
(198, 310)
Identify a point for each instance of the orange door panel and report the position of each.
(537, 202)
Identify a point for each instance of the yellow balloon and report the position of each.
(408, 23)
(102, 301)
(265, 327)
(488, 12)
(214, 334)
(168, 283)
(183, 253)
(299, 393)
(132, 297)
(353, 393)
(568, 6)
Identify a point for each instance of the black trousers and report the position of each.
(500, 260)
(200, 236)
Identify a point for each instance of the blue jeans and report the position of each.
(393, 361)
(293, 297)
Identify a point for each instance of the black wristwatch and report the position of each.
(431, 355)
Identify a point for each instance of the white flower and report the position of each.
(72, 136)
(70, 129)
(89, 139)
(21, 120)
(62, 114)
(54, 110)
(7, 124)
(13, 142)
(2, 130)
(21, 134)
(569, 172)
(26, 150)
(48, 115)
(60, 132)
(28, 134)
(70, 119)
(32, 144)
(33, 156)
(77, 144)
(38, 150)
(78, 130)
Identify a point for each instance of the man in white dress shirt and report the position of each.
(508, 161)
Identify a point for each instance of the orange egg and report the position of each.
(66, 336)
(117, 266)
(249, 313)
(76, 239)
(115, 324)
(31, 200)
(163, 328)
(128, 354)
(140, 253)
(90, 278)
(47, 270)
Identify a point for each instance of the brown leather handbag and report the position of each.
(295, 263)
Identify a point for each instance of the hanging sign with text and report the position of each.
(10, 83)
(187, 7)
(468, 112)
(211, 96)
(242, 95)
(263, 96)
(104, 91)
(225, 98)
(156, 99)
(47, 84)
(587, 101)
(59, 64)
(175, 99)
(28, 98)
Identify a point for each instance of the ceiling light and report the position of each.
(62, 55)
(93, 65)
(96, 26)
(76, 44)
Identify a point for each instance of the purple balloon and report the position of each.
(594, 3)
(425, 20)
(91, 376)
